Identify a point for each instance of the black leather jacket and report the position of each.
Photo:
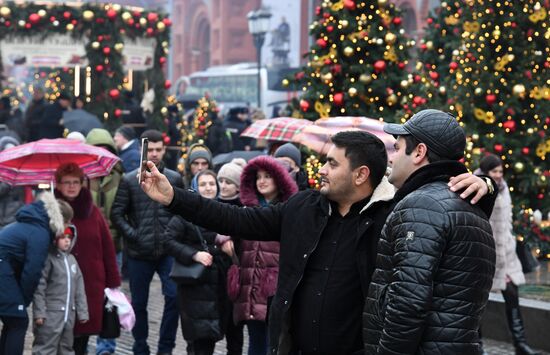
(140, 220)
(435, 266)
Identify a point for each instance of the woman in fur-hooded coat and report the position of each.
(259, 261)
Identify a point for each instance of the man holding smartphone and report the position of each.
(141, 221)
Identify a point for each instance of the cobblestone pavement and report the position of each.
(124, 343)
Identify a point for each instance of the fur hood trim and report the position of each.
(383, 192)
(285, 183)
(54, 212)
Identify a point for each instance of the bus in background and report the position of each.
(237, 85)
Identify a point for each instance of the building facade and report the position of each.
(215, 32)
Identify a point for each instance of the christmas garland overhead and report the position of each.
(103, 27)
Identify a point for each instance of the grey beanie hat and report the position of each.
(232, 171)
(289, 150)
(200, 152)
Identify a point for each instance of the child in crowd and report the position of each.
(58, 297)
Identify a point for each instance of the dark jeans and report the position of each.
(12, 340)
(140, 273)
(257, 337)
(234, 336)
(80, 344)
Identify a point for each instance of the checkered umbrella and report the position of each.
(277, 129)
(317, 136)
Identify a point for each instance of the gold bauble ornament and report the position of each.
(165, 44)
(519, 90)
(392, 99)
(404, 83)
(285, 82)
(519, 167)
(126, 16)
(352, 92)
(478, 91)
(95, 45)
(119, 47)
(475, 137)
(69, 27)
(496, 33)
(430, 45)
(379, 41)
(143, 21)
(365, 78)
(442, 90)
(21, 23)
(382, 2)
(348, 51)
(164, 110)
(161, 26)
(390, 38)
(42, 13)
(344, 23)
(88, 15)
(116, 7)
(327, 76)
(5, 11)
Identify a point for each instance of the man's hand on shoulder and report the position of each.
(472, 185)
(156, 185)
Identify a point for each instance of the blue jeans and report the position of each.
(140, 273)
(108, 345)
(257, 337)
(12, 340)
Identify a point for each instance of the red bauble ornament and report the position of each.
(162, 60)
(397, 21)
(453, 65)
(417, 78)
(150, 31)
(167, 84)
(111, 14)
(528, 74)
(318, 10)
(118, 112)
(525, 150)
(74, 22)
(28, 26)
(379, 66)
(401, 65)
(152, 17)
(166, 140)
(336, 69)
(67, 15)
(423, 46)
(498, 148)
(100, 20)
(321, 42)
(7, 23)
(311, 182)
(136, 13)
(130, 22)
(491, 99)
(430, 20)
(434, 75)
(510, 124)
(167, 22)
(99, 68)
(34, 19)
(338, 99)
(418, 100)
(327, 61)
(349, 4)
(540, 196)
(106, 50)
(330, 29)
(52, 18)
(304, 105)
(114, 94)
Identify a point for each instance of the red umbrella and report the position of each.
(317, 136)
(277, 129)
(35, 162)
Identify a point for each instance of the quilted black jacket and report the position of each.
(140, 220)
(434, 270)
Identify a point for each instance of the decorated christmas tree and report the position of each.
(503, 92)
(356, 63)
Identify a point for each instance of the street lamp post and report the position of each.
(258, 25)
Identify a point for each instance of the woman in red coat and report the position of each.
(94, 249)
(264, 181)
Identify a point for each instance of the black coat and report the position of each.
(140, 220)
(298, 225)
(50, 125)
(235, 127)
(205, 307)
(435, 266)
(33, 119)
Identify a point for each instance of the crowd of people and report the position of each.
(379, 260)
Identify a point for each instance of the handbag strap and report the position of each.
(234, 256)
(203, 242)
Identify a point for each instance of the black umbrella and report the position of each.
(225, 158)
(80, 121)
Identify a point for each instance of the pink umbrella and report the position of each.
(317, 136)
(35, 162)
(277, 129)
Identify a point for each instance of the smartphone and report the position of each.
(143, 158)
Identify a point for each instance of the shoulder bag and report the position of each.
(189, 274)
